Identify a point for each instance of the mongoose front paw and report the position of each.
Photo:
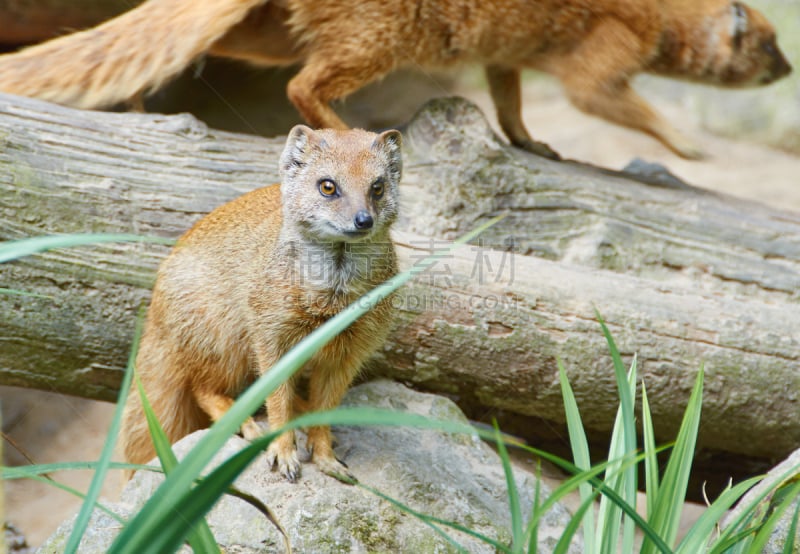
(335, 468)
(538, 148)
(681, 145)
(284, 460)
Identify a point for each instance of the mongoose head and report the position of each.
(341, 186)
(742, 50)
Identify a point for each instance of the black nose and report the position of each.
(363, 220)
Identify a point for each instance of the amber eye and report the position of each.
(327, 187)
(378, 189)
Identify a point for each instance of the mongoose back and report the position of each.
(594, 47)
(255, 276)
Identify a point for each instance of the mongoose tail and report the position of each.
(123, 57)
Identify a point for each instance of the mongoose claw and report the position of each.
(286, 463)
(538, 148)
(337, 469)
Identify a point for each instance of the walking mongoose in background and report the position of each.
(594, 47)
(255, 276)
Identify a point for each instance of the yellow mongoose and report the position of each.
(255, 276)
(594, 47)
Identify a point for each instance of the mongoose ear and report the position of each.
(738, 23)
(298, 142)
(391, 142)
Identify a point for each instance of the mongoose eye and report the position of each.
(378, 188)
(327, 187)
(769, 47)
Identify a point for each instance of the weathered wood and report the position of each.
(682, 276)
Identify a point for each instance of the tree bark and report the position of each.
(682, 276)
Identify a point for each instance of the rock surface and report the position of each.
(456, 478)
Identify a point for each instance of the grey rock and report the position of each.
(456, 478)
(654, 173)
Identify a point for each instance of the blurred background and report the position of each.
(752, 136)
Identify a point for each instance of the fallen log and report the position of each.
(682, 276)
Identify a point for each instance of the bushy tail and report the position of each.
(135, 52)
(177, 412)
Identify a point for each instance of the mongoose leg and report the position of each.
(282, 452)
(504, 85)
(324, 79)
(216, 405)
(596, 78)
(327, 386)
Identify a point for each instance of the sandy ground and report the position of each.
(57, 428)
(51, 428)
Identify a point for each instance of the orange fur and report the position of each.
(593, 46)
(258, 274)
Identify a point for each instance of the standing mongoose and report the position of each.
(594, 47)
(255, 276)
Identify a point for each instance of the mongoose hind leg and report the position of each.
(505, 87)
(216, 405)
(596, 78)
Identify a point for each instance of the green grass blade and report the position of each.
(590, 476)
(533, 538)
(626, 388)
(85, 513)
(145, 525)
(161, 443)
(784, 499)
(569, 531)
(609, 516)
(264, 509)
(15, 292)
(201, 539)
(749, 515)
(701, 532)
(651, 478)
(517, 532)
(791, 534)
(735, 543)
(12, 250)
(672, 490)
(77, 493)
(580, 453)
(23, 472)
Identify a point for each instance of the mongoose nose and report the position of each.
(363, 220)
